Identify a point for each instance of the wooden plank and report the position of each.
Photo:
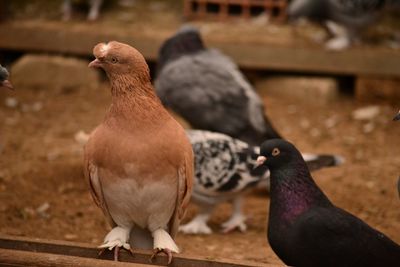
(74, 39)
(82, 250)
(10, 257)
(371, 88)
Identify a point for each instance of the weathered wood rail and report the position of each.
(71, 39)
(17, 251)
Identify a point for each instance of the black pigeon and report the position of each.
(306, 229)
(224, 170)
(353, 16)
(4, 82)
(208, 90)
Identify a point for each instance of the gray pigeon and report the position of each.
(224, 170)
(94, 9)
(343, 19)
(208, 90)
(306, 229)
(4, 82)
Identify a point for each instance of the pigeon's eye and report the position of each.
(276, 152)
(114, 60)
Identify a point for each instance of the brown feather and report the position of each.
(138, 138)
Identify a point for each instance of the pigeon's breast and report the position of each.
(146, 205)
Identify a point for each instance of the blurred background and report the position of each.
(325, 98)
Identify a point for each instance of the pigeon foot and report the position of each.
(196, 226)
(166, 251)
(163, 243)
(237, 221)
(338, 43)
(118, 237)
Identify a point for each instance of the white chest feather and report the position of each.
(149, 206)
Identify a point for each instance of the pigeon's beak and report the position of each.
(397, 117)
(260, 161)
(95, 63)
(7, 84)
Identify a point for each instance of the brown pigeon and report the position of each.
(138, 161)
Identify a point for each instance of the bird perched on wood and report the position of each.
(4, 74)
(224, 170)
(94, 9)
(207, 89)
(306, 229)
(138, 161)
(343, 19)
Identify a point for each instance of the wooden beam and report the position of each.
(79, 39)
(9, 257)
(86, 251)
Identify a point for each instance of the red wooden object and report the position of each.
(228, 9)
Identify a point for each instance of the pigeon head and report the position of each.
(277, 153)
(118, 59)
(4, 82)
(185, 42)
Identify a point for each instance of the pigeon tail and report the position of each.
(271, 133)
(316, 162)
(255, 138)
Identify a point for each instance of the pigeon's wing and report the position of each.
(319, 161)
(335, 232)
(185, 185)
(209, 91)
(224, 166)
(92, 176)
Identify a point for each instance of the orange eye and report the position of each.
(276, 152)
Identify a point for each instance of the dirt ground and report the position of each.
(43, 192)
(41, 164)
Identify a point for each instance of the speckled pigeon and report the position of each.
(224, 170)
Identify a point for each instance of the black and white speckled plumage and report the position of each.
(353, 15)
(208, 90)
(224, 169)
(224, 166)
